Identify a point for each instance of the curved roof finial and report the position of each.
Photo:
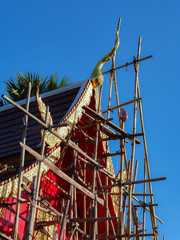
(96, 76)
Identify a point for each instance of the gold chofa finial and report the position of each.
(97, 76)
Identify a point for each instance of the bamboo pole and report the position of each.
(108, 116)
(93, 227)
(128, 64)
(104, 197)
(75, 207)
(147, 163)
(37, 185)
(3, 236)
(136, 66)
(144, 200)
(121, 105)
(70, 199)
(30, 228)
(21, 168)
(100, 219)
(122, 145)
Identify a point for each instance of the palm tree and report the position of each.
(17, 89)
(53, 83)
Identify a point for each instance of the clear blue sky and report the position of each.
(71, 36)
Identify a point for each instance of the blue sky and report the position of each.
(71, 36)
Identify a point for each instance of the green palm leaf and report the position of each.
(17, 89)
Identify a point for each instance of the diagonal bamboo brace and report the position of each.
(60, 173)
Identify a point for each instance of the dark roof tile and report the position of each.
(11, 118)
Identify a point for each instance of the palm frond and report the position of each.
(17, 89)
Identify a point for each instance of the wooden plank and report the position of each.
(60, 173)
(110, 124)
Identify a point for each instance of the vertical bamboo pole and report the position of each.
(114, 77)
(153, 220)
(21, 168)
(84, 229)
(109, 215)
(133, 139)
(122, 142)
(75, 208)
(135, 219)
(40, 163)
(37, 185)
(32, 211)
(144, 200)
(108, 116)
(125, 201)
(135, 175)
(93, 228)
(64, 220)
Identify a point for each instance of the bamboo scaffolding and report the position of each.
(127, 226)
(70, 143)
(60, 173)
(110, 124)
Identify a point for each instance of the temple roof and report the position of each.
(60, 102)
